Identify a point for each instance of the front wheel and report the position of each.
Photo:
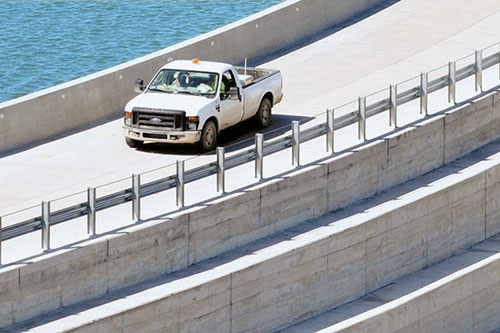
(134, 143)
(209, 136)
(263, 115)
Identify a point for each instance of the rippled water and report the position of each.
(46, 42)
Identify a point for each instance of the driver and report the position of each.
(224, 85)
(183, 79)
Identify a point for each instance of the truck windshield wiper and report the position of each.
(164, 91)
(190, 93)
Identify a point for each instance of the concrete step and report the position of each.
(313, 267)
(459, 294)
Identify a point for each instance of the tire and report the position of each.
(134, 143)
(263, 115)
(209, 136)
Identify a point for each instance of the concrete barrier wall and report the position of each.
(357, 255)
(145, 251)
(93, 269)
(103, 95)
(329, 266)
(466, 301)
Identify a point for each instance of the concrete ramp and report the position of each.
(324, 263)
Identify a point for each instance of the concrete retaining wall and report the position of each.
(145, 251)
(314, 271)
(103, 95)
(466, 301)
(356, 255)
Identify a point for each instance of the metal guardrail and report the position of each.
(137, 191)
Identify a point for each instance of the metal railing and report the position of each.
(138, 190)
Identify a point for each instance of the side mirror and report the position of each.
(139, 86)
(234, 94)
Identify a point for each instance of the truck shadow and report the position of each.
(234, 138)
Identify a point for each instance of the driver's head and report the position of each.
(183, 79)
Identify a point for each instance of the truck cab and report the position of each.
(192, 101)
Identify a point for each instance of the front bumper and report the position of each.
(161, 135)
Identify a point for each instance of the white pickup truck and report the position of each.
(192, 101)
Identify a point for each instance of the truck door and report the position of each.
(231, 110)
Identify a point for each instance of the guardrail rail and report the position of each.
(138, 190)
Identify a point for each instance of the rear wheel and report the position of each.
(134, 143)
(209, 136)
(263, 115)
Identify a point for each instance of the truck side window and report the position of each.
(228, 81)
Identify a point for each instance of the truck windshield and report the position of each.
(178, 81)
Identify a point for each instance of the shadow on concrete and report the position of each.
(237, 137)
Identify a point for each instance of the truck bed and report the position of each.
(253, 75)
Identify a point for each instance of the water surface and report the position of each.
(45, 42)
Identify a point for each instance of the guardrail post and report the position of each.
(330, 127)
(362, 118)
(452, 81)
(221, 180)
(45, 225)
(423, 93)
(180, 184)
(295, 142)
(393, 105)
(259, 156)
(479, 70)
(91, 211)
(136, 197)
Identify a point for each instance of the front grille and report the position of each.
(158, 119)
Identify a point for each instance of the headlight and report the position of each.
(127, 118)
(192, 123)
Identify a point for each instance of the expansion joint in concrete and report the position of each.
(108, 262)
(443, 161)
(365, 265)
(231, 303)
(261, 209)
(188, 240)
(387, 149)
(485, 215)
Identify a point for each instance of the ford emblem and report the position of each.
(156, 120)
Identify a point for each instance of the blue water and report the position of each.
(46, 42)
